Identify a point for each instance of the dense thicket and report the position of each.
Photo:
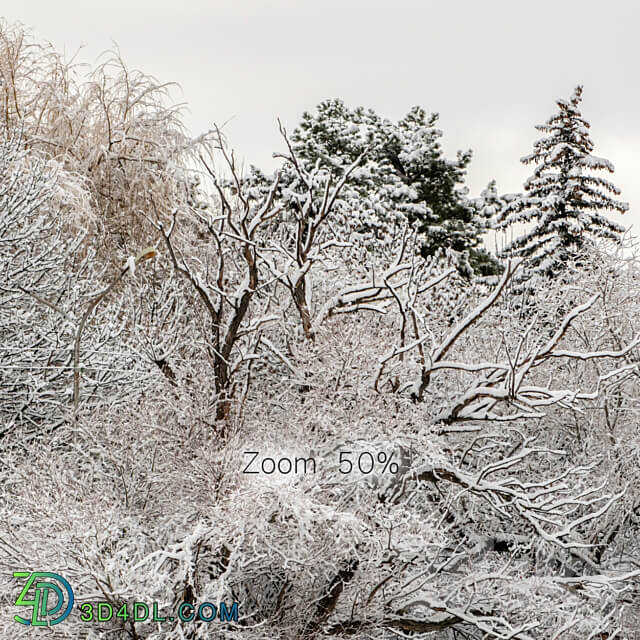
(274, 321)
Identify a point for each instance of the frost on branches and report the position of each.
(564, 199)
(39, 287)
(513, 513)
(274, 322)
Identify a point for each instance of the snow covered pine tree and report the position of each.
(562, 197)
(404, 176)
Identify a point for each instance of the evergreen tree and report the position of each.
(404, 176)
(563, 197)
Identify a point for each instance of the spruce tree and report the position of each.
(563, 198)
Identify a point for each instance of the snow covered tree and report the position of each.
(563, 197)
(48, 275)
(115, 127)
(464, 475)
(402, 177)
(450, 222)
(407, 173)
(36, 290)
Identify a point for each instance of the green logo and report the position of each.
(44, 607)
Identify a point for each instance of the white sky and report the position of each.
(492, 69)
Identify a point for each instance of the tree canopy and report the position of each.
(402, 177)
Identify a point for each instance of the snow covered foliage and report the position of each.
(37, 290)
(48, 281)
(564, 199)
(110, 125)
(254, 381)
(401, 177)
(513, 509)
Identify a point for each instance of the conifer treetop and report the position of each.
(563, 197)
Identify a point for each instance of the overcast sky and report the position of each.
(492, 69)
